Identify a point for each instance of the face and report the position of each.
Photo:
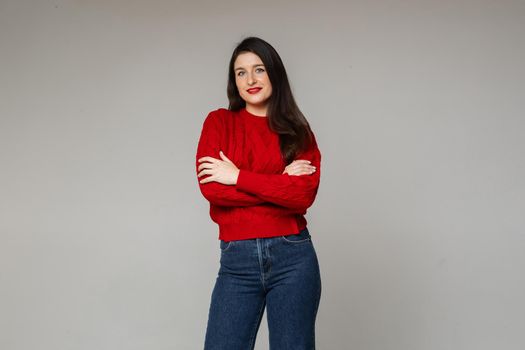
(252, 82)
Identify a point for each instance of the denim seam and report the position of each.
(296, 242)
(261, 267)
(230, 243)
(269, 261)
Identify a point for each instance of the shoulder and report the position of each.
(219, 115)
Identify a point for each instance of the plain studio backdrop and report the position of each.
(418, 107)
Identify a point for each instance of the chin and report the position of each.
(255, 101)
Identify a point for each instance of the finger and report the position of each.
(295, 171)
(303, 173)
(206, 166)
(208, 159)
(223, 156)
(311, 169)
(204, 172)
(304, 170)
(306, 166)
(302, 167)
(299, 164)
(208, 179)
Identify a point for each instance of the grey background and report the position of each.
(417, 106)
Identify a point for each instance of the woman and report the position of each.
(258, 165)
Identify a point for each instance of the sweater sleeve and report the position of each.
(293, 192)
(209, 145)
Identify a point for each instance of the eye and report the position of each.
(259, 70)
(240, 73)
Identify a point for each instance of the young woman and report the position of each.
(258, 165)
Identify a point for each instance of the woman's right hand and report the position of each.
(299, 167)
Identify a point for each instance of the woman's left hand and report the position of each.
(221, 171)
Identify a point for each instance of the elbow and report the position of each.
(306, 200)
(304, 203)
(308, 203)
(208, 189)
(310, 195)
(208, 193)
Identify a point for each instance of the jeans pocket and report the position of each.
(301, 237)
(225, 245)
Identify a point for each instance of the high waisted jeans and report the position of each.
(279, 273)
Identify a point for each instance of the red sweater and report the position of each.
(265, 202)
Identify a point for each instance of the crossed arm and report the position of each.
(227, 185)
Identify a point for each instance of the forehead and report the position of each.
(246, 60)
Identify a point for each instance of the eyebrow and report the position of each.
(255, 65)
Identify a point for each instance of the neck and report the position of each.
(260, 111)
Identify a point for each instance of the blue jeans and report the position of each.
(279, 273)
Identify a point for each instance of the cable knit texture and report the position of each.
(265, 202)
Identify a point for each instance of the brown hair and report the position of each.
(284, 115)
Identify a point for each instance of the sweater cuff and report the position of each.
(248, 181)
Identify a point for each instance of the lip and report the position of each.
(254, 90)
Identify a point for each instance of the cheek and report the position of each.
(269, 90)
(268, 84)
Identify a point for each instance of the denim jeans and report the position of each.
(279, 273)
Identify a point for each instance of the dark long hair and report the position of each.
(284, 115)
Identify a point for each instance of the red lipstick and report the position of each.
(254, 90)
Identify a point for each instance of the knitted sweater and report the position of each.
(264, 202)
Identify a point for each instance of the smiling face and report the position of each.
(252, 82)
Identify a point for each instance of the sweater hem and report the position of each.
(250, 230)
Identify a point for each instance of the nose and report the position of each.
(251, 79)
